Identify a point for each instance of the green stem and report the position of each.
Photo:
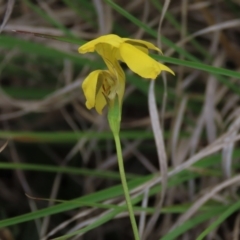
(125, 186)
(114, 119)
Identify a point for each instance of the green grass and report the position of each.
(39, 67)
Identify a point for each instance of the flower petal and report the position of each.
(111, 39)
(109, 55)
(100, 102)
(142, 48)
(138, 42)
(91, 88)
(140, 62)
(165, 68)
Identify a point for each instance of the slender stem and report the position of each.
(114, 119)
(125, 186)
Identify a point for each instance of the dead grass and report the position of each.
(40, 92)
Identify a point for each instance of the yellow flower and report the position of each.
(98, 88)
(101, 87)
(133, 52)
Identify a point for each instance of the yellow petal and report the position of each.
(109, 55)
(100, 102)
(111, 39)
(91, 87)
(107, 52)
(121, 90)
(142, 48)
(140, 62)
(165, 68)
(138, 42)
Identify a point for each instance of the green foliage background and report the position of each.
(62, 155)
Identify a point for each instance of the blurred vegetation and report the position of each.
(58, 171)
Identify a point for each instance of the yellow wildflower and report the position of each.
(133, 52)
(101, 87)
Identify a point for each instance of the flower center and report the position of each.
(110, 87)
